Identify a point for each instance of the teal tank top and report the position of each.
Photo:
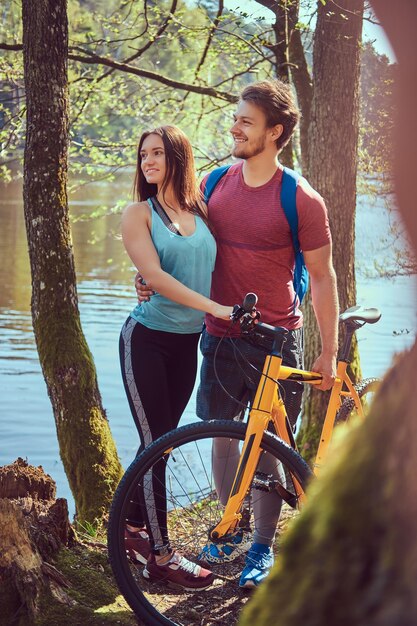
(191, 261)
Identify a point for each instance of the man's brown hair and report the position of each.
(277, 101)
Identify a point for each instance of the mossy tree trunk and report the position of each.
(351, 557)
(86, 446)
(332, 169)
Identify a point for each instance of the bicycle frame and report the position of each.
(267, 407)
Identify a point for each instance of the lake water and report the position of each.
(106, 295)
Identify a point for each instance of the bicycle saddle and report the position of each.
(360, 314)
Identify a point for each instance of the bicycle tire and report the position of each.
(148, 600)
(363, 388)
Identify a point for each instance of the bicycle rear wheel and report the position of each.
(366, 390)
(193, 509)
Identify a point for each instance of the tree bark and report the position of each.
(86, 446)
(33, 526)
(280, 50)
(290, 61)
(302, 82)
(332, 168)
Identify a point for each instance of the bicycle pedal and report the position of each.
(264, 482)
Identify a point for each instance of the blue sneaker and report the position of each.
(228, 550)
(258, 563)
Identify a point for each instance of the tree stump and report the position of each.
(33, 526)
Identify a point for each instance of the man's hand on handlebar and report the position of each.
(326, 366)
(246, 312)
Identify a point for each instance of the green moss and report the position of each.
(98, 600)
(308, 440)
(354, 367)
(86, 445)
(103, 472)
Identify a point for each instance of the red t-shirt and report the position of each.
(254, 245)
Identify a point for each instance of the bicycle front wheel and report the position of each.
(366, 390)
(193, 510)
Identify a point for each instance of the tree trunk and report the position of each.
(351, 558)
(86, 446)
(290, 61)
(282, 69)
(280, 50)
(332, 171)
(302, 83)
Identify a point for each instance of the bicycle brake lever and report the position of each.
(249, 321)
(237, 313)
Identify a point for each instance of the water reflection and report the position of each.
(106, 295)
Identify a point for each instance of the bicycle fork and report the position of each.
(267, 406)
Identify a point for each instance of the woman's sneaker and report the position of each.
(259, 561)
(178, 572)
(228, 549)
(137, 545)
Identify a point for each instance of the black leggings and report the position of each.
(159, 370)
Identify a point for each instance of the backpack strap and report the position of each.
(288, 202)
(290, 181)
(212, 180)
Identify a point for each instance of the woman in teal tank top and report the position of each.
(167, 236)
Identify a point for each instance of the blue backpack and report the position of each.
(288, 193)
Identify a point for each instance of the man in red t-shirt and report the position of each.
(255, 253)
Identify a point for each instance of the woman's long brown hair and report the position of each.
(180, 171)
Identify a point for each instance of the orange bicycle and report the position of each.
(195, 513)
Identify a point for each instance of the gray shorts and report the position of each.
(240, 378)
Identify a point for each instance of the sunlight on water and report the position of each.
(106, 295)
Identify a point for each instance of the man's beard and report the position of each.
(244, 151)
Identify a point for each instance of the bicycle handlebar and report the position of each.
(249, 302)
(251, 327)
(246, 312)
(249, 316)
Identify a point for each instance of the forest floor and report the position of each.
(91, 597)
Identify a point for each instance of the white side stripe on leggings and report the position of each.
(148, 492)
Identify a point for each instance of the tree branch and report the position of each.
(272, 5)
(146, 47)
(17, 47)
(160, 31)
(95, 59)
(247, 69)
(212, 30)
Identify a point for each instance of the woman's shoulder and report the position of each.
(136, 211)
